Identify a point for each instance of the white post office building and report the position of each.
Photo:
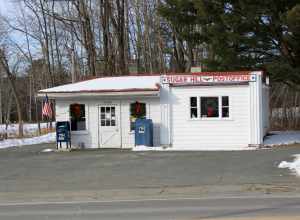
(194, 111)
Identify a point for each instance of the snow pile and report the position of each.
(146, 148)
(47, 150)
(29, 129)
(282, 138)
(293, 166)
(48, 138)
(164, 148)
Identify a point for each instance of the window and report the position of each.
(77, 117)
(225, 106)
(137, 110)
(194, 107)
(209, 107)
(108, 116)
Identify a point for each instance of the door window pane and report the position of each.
(102, 113)
(113, 111)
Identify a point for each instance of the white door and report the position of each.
(109, 126)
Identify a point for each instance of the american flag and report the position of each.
(47, 110)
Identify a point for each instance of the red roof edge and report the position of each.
(110, 90)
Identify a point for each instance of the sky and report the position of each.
(9, 9)
(5, 7)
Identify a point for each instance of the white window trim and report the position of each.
(220, 118)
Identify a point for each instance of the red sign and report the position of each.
(197, 79)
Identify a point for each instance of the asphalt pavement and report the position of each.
(282, 208)
(27, 174)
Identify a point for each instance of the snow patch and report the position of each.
(47, 150)
(164, 148)
(29, 129)
(146, 148)
(277, 138)
(293, 166)
(17, 142)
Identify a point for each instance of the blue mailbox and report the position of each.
(63, 133)
(144, 132)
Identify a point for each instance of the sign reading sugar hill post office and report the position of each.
(203, 79)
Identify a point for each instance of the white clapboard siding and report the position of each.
(78, 138)
(210, 133)
(152, 112)
(93, 124)
(90, 137)
(61, 111)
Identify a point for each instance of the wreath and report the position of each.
(76, 111)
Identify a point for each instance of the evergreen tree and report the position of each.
(243, 34)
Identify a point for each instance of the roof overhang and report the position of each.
(103, 93)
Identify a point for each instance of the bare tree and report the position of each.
(87, 34)
(11, 80)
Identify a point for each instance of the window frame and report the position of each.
(193, 107)
(85, 118)
(225, 106)
(200, 110)
(220, 107)
(146, 111)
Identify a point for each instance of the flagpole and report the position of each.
(47, 116)
(51, 117)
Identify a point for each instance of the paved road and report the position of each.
(26, 174)
(183, 209)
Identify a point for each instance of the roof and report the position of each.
(109, 84)
(121, 85)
